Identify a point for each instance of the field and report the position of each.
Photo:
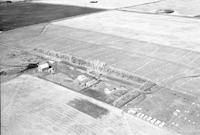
(168, 66)
(119, 71)
(182, 8)
(19, 14)
(177, 110)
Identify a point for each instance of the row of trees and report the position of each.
(92, 65)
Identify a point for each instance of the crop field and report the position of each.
(14, 15)
(128, 61)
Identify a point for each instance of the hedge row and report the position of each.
(126, 98)
(95, 65)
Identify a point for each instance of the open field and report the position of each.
(163, 30)
(21, 14)
(104, 4)
(185, 8)
(40, 107)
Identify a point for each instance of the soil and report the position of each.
(19, 14)
(88, 108)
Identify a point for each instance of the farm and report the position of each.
(100, 67)
(152, 103)
(161, 106)
(147, 60)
